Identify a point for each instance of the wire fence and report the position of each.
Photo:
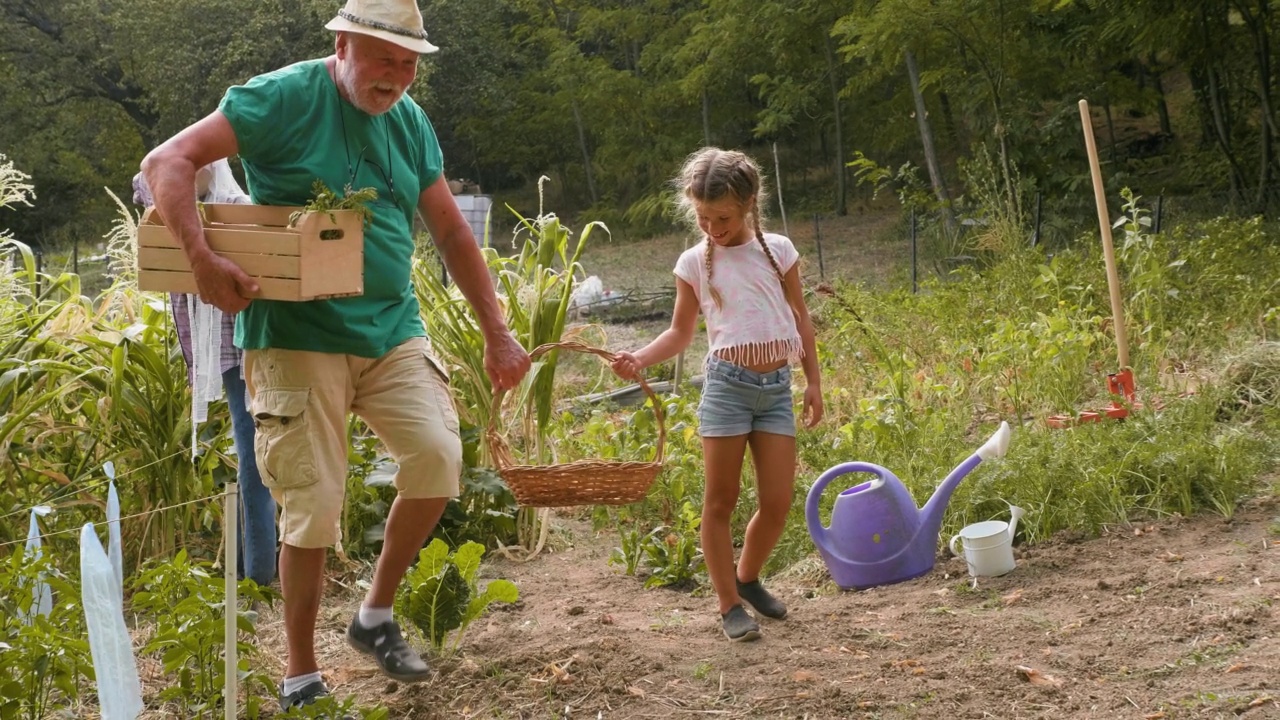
(1061, 222)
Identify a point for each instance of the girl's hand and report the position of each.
(812, 413)
(626, 366)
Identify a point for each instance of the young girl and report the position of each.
(747, 284)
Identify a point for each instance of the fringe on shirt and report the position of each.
(761, 353)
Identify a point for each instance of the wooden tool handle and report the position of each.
(1108, 249)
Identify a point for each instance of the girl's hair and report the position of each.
(713, 174)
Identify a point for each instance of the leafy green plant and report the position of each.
(44, 661)
(323, 199)
(630, 550)
(330, 708)
(441, 593)
(672, 552)
(185, 599)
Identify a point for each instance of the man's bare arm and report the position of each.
(170, 173)
(505, 360)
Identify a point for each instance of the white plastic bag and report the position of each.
(119, 692)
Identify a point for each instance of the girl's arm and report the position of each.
(813, 408)
(673, 340)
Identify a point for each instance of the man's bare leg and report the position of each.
(302, 584)
(409, 524)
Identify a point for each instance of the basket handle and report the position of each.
(498, 447)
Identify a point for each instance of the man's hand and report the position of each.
(222, 284)
(505, 361)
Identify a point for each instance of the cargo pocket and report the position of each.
(282, 441)
(441, 397)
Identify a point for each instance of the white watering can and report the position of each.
(988, 545)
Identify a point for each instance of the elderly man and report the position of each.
(344, 119)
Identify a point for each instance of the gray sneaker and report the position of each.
(762, 600)
(307, 695)
(395, 658)
(738, 625)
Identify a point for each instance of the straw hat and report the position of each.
(396, 21)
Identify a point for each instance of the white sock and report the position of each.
(373, 617)
(297, 682)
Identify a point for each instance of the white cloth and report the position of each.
(753, 322)
(42, 596)
(219, 186)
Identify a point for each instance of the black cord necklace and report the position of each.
(388, 177)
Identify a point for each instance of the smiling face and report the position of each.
(724, 221)
(372, 73)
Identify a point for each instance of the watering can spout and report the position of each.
(931, 514)
(1015, 514)
(996, 445)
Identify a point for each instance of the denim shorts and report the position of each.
(738, 401)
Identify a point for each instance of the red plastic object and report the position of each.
(1120, 385)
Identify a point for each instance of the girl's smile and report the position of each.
(723, 221)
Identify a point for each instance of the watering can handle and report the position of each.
(815, 493)
(952, 546)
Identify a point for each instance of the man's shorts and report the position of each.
(737, 401)
(300, 401)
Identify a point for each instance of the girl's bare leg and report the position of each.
(723, 457)
(774, 457)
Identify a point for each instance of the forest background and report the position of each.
(936, 98)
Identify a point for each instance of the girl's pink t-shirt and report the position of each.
(753, 324)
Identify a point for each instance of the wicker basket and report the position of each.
(584, 482)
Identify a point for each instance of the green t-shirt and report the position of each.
(291, 126)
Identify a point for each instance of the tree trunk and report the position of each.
(930, 154)
(1111, 125)
(949, 121)
(1222, 131)
(1161, 105)
(842, 207)
(586, 154)
(706, 118)
(1259, 29)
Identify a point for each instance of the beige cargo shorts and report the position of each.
(300, 401)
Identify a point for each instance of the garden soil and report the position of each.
(1173, 619)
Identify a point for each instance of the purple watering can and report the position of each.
(877, 536)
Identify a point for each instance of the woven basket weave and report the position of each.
(584, 482)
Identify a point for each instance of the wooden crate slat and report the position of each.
(185, 282)
(222, 240)
(256, 265)
(289, 263)
(230, 214)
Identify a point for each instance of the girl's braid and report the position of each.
(715, 294)
(767, 252)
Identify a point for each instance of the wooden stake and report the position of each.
(777, 175)
(230, 524)
(1108, 250)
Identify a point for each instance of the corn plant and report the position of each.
(83, 382)
(535, 288)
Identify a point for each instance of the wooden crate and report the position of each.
(322, 256)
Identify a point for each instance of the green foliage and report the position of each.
(326, 200)
(442, 593)
(370, 491)
(673, 553)
(185, 599)
(535, 288)
(45, 664)
(330, 708)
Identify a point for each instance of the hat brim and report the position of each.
(341, 24)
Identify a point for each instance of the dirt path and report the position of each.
(1173, 620)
